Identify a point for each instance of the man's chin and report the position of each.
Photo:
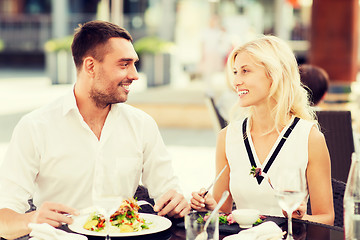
(122, 99)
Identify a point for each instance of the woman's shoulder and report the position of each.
(307, 122)
(222, 132)
(234, 127)
(306, 125)
(316, 138)
(315, 134)
(237, 123)
(318, 151)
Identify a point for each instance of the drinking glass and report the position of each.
(194, 226)
(105, 195)
(290, 191)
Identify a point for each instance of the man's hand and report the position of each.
(172, 204)
(54, 214)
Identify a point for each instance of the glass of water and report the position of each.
(290, 191)
(194, 225)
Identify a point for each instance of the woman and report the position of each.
(265, 75)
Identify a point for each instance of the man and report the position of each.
(56, 152)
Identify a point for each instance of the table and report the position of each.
(301, 229)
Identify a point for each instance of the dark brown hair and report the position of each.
(90, 40)
(316, 81)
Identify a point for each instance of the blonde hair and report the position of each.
(281, 67)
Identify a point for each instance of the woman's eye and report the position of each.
(235, 71)
(244, 70)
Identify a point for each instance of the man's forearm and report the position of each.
(13, 224)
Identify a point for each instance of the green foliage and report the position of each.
(258, 221)
(152, 45)
(223, 219)
(200, 219)
(2, 45)
(58, 44)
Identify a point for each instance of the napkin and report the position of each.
(45, 231)
(265, 231)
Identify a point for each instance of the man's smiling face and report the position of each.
(114, 73)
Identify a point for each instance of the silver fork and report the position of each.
(143, 202)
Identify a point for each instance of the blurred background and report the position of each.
(182, 45)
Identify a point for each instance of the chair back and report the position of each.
(142, 193)
(338, 199)
(338, 188)
(218, 121)
(337, 129)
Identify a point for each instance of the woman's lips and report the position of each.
(242, 92)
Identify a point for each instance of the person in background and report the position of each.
(54, 151)
(215, 45)
(316, 82)
(271, 100)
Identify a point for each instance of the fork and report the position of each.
(217, 178)
(143, 202)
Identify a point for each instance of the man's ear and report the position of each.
(89, 66)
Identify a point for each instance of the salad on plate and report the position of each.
(125, 219)
(227, 219)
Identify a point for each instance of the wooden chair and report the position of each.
(337, 129)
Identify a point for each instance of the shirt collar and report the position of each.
(69, 102)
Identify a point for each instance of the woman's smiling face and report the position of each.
(250, 81)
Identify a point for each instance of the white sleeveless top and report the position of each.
(245, 190)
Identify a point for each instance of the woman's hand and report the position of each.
(299, 212)
(200, 203)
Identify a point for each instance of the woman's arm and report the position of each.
(319, 180)
(209, 202)
(223, 183)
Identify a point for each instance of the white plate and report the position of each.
(158, 224)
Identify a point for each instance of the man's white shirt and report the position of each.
(53, 156)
